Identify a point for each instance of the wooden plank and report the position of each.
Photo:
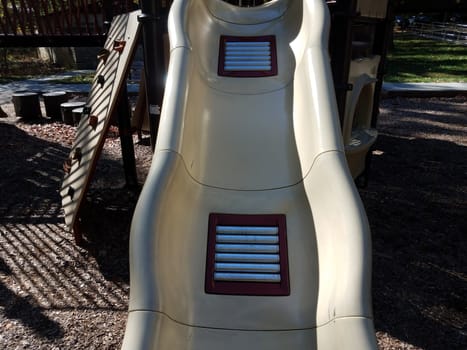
(102, 102)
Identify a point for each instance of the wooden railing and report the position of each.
(58, 22)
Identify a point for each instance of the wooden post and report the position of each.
(67, 111)
(126, 139)
(154, 26)
(76, 114)
(52, 102)
(140, 114)
(27, 105)
(340, 47)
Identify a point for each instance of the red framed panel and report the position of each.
(213, 286)
(222, 71)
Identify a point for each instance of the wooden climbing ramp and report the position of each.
(112, 70)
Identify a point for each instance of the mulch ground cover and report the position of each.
(57, 295)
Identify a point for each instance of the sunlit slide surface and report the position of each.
(249, 232)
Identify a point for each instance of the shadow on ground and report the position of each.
(47, 283)
(54, 293)
(417, 203)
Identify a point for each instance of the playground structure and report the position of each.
(358, 45)
(108, 94)
(58, 23)
(88, 26)
(358, 133)
(249, 231)
(364, 80)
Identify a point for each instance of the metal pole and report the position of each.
(154, 68)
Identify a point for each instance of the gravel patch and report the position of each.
(56, 295)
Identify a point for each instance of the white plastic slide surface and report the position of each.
(358, 133)
(249, 233)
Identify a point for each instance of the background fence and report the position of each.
(58, 22)
(455, 33)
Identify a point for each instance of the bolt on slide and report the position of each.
(249, 232)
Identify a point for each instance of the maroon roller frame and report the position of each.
(247, 73)
(212, 286)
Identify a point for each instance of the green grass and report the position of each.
(21, 67)
(412, 59)
(77, 79)
(421, 60)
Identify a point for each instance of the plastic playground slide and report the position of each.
(357, 132)
(249, 232)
